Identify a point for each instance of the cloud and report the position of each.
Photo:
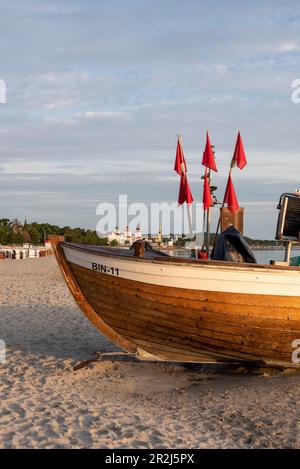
(59, 104)
(58, 121)
(291, 46)
(102, 115)
(97, 91)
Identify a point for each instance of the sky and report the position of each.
(96, 92)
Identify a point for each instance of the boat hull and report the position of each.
(159, 310)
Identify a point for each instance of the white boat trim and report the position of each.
(227, 279)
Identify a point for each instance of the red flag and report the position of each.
(180, 165)
(230, 196)
(208, 155)
(239, 157)
(185, 194)
(207, 197)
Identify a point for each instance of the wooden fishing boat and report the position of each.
(163, 308)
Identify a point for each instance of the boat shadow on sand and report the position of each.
(63, 333)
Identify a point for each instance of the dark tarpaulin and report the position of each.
(231, 246)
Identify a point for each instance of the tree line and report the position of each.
(15, 232)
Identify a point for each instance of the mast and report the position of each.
(208, 215)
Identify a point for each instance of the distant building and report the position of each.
(48, 245)
(118, 236)
(138, 234)
(127, 236)
(25, 251)
(159, 236)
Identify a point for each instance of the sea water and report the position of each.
(263, 256)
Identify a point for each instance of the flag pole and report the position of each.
(179, 136)
(208, 219)
(203, 228)
(222, 206)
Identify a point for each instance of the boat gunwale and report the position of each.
(83, 303)
(178, 261)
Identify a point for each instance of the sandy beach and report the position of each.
(118, 402)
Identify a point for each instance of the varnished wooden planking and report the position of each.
(81, 300)
(169, 353)
(202, 337)
(219, 321)
(165, 352)
(146, 318)
(166, 318)
(118, 253)
(215, 347)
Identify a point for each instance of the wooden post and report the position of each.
(208, 216)
(55, 241)
(179, 136)
(190, 220)
(139, 248)
(223, 204)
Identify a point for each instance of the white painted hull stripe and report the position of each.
(225, 279)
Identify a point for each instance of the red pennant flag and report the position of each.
(208, 155)
(185, 194)
(180, 165)
(230, 196)
(239, 156)
(207, 197)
